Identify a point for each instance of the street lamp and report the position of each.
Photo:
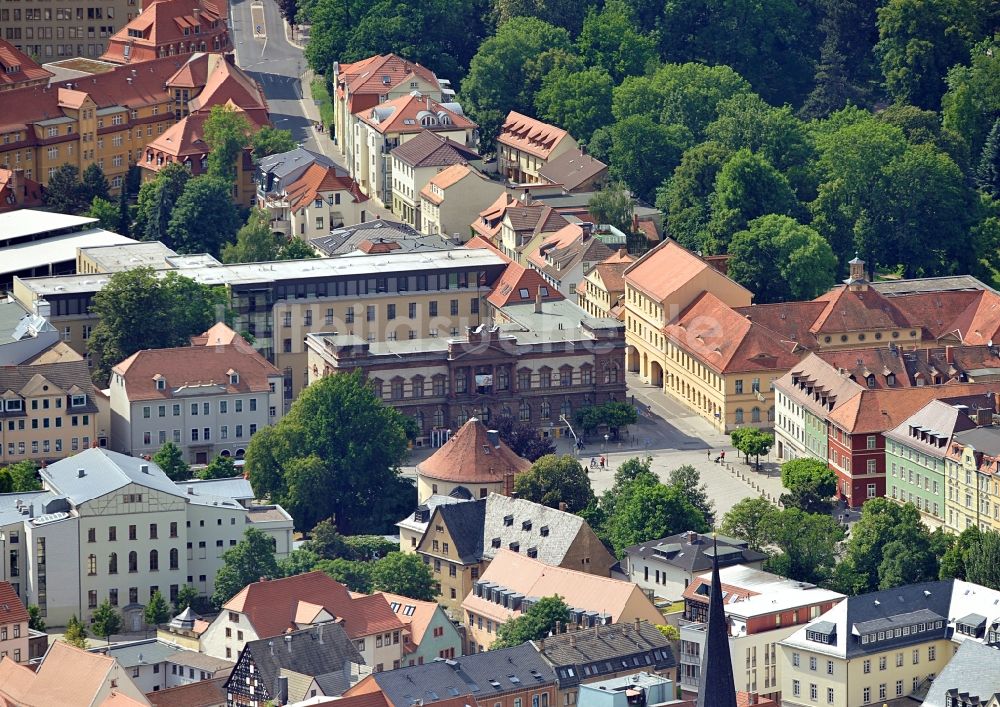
(606, 437)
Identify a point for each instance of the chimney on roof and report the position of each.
(692, 537)
(270, 644)
(288, 643)
(637, 624)
(526, 197)
(144, 468)
(538, 301)
(588, 228)
(494, 437)
(563, 506)
(18, 186)
(319, 632)
(80, 473)
(128, 80)
(949, 354)
(983, 417)
(281, 696)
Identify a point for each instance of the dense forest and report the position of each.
(792, 134)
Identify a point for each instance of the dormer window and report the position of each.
(508, 520)
(77, 401)
(15, 404)
(870, 380)
(890, 379)
(234, 377)
(161, 384)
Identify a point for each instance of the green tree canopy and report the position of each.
(186, 596)
(356, 575)
(107, 214)
(779, 260)
(687, 480)
(249, 560)
(810, 483)
(577, 101)
(613, 205)
(94, 185)
(751, 520)
(535, 623)
(988, 169)
(296, 249)
(611, 40)
(204, 217)
(157, 611)
(298, 561)
(255, 242)
(404, 573)
(747, 187)
(170, 458)
(106, 621)
(553, 480)
(156, 202)
(335, 454)
(973, 97)
(139, 310)
(64, 193)
(648, 509)
(808, 544)
(270, 141)
(35, 620)
(504, 73)
(684, 197)
(23, 476)
(219, 468)
(75, 633)
(227, 133)
(752, 442)
(644, 152)
(568, 14)
(982, 563)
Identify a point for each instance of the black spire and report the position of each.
(716, 686)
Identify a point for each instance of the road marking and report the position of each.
(257, 18)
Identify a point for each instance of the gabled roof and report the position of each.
(980, 322)
(850, 310)
(183, 140)
(322, 650)
(428, 149)
(974, 671)
(465, 522)
(471, 456)
(576, 649)
(228, 84)
(317, 180)
(528, 525)
(284, 163)
(728, 342)
(667, 268)
(11, 609)
(163, 23)
(566, 248)
(270, 605)
(580, 590)
(936, 419)
(480, 242)
(67, 676)
(611, 271)
(572, 168)
(204, 693)
(875, 411)
(417, 615)
(66, 375)
(369, 76)
(17, 67)
(519, 284)
(195, 366)
(404, 114)
(530, 135)
(104, 471)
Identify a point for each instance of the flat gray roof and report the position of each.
(982, 439)
(30, 222)
(113, 258)
(57, 249)
(267, 273)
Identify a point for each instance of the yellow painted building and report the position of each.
(972, 479)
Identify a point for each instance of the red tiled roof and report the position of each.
(11, 609)
(319, 179)
(470, 457)
(857, 310)
(727, 342)
(487, 224)
(28, 70)
(648, 229)
(980, 322)
(873, 411)
(367, 76)
(665, 269)
(27, 190)
(228, 84)
(530, 135)
(480, 242)
(691, 591)
(793, 320)
(194, 365)
(204, 693)
(516, 278)
(936, 312)
(24, 106)
(163, 23)
(402, 115)
(271, 605)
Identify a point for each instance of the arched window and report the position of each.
(770, 414)
(566, 409)
(154, 560)
(546, 410)
(91, 564)
(133, 561)
(419, 417)
(439, 418)
(113, 563)
(739, 416)
(174, 564)
(524, 411)
(755, 415)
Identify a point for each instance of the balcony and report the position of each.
(282, 226)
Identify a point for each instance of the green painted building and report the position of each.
(915, 458)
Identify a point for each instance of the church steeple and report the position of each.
(716, 686)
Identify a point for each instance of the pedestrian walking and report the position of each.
(593, 462)
(602, 462)
(710, 455)
(722, 455)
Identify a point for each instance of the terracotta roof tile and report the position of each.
(205, 693)
(480, 242)
(28, 69)
(469, 456)
(271, 605)
(195, 365)
(402, 115)
(11, 609)
(490, 219)
(67, 676)
(447, 177)
(793, 320)
(417, 620)
(936, 312)
(367, 76)
(518, 285)
(665, 269)
(428, 149)
(228, 84)
(726, 341)
(319, 179)
(530, 135)
(162, 24)
(980, 322)
(850, 310)
(873, 411)
(28, 191)
(648, 229)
